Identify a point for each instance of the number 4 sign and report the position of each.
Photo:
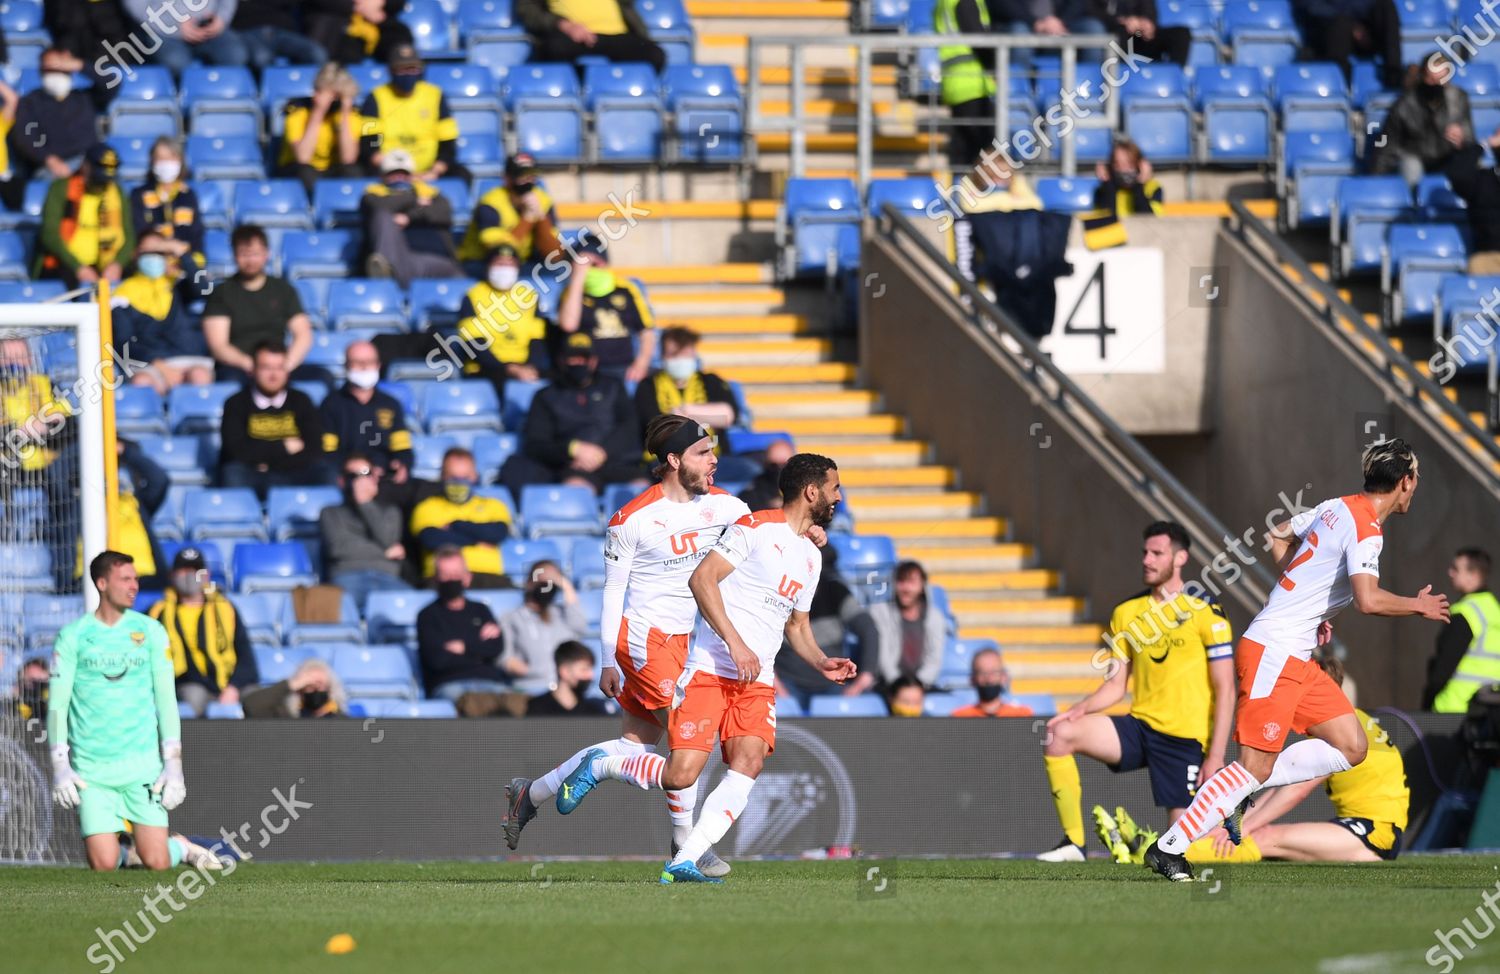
(1110, 313)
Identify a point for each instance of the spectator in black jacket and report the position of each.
(362, 536)
(407, 224)
(458, 640)
(1479, 186)
(166, 204)
(1336, 30)
(272, 434)
(269, 29)
(55, 125)
(1428, 123)
(603, 28)
(91, 32)
(1047, 18)
(1135, 26)
(575, 674)
(154, 330)
(358, 416)
(582, 429)
(352, 31)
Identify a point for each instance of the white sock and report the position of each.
(1304, 760)
(546, 786)
(722, 806)
(680, 805)
(642, 770)
(1217, 798)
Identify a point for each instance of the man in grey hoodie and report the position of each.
(362, 536)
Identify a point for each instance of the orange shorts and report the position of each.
(1281, 693)
(651, 663)
(728, 707)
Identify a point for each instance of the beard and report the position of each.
(822, 512)
(693, 483)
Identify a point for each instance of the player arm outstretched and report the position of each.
(65, 781)
(704, 584)
(1109, 693)
(1373, 600)
(619, 557)
(799, 635)
(170, 784)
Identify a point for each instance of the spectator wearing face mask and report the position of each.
(313, 690)
(575, 674)
(611, 311)
(167, 205)
(459, 518)
(681, 388)
(210, 650)
(1126, 188)
(86, 228)
(357, 416)
(152, 325)
(362, 536)
(458, 640)
(1428, 123)
(906, 697)
(55, 125)
(518, 214)
(411, 114)
(502, 337)
(550, 616)
(991, 680)
(407, 224)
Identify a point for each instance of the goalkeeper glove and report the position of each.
(65, 781)
(170, 787)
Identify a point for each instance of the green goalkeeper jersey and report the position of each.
(113, 698)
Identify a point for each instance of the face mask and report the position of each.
(167, 170)
(450, 590)
(457, 491)
(990, 692)
(521, 189)
(903, 710)
(580, 687)
(680, 369)
(151, 265)
(405, 83)
(399, 186)
(503, 277)
(597, 283)
(1126, 177)
(364, 378)
(577, 373)
(58, 84)
(314, 700)
(190, 586)
(544, 595)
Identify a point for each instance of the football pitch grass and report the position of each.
(919, 916)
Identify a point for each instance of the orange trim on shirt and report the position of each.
(1366, 521)
(648, 496)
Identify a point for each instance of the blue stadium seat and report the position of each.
(30, 292)
(215, 512)
(182, 457)
(1421, 22)
(369, 75)
(274, 663)
(273, 203)
(615, 497)
(150, 90)
(217, 710)
(313, 293)
(491, 450)
(1461, 294)
(1362, 205)
(499, 55)
(627, 112)
(667, 21)
(1163, 129)
(553, 509)
(198, 409)
(1067, 194)
(139, 125)
(207, 88)
(227, 125)
(139, 410)
(275, 566)
(483, 153)
(1438, 202)
(943, 704)
(401, 392)
(427, 454)
(214, 209)
(166, 523)
(1261, 33)
(293, 512)
(958, 659)
(1154, 82)
(213, 556)
(25, 32)
(1366, 91)
(1311, 97)
(1415, 259)
(1237, 117)
(548, 111)
(370, 303)
(261, 614)
(185, 711)
(465, 86)
(346, 630)
(518, 396)
(1480, 81)
(327, 351)
(323, 253)
(375, 671)
(460, 404)
(314, 389)
(280, 84)
(818, 226)
(435, 301)
(403, 709)
(135, 155)
(1308, 173)
(1202, 20)
(914, 194)
(483, 21)
(45, 615)
(335, 202)
(865, 561)
(588, 562)
(863, 705)
(456, 191)
(431, 29)
(518, 556)
(211, 158)
(392, 616)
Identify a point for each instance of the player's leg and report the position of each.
(155, 847)
(103, 849)
(101, 815)
(1173, 764)
(745, 755)
(1094, 736)
(1313, 842)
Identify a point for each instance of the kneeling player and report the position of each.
(755, 586)
(117, 751)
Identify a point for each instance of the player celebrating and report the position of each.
(1174, 650)
(117, 738)
(754, 587)
(1329, 556)
(654, 543)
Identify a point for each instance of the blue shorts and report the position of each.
(1172, 761)
(1381, 838)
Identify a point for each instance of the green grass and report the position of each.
(770, 918)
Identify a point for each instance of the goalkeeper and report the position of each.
(112, 719)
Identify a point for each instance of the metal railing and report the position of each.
(868, 45)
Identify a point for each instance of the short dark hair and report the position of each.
(106, 562)
(571, 651)
(679, 335)
(658, 432)
(271, 348)
(803, 469)
(1478, 559)
(247, 233)
(908, 567)
(1386, 463)
(461, 452)
(356, 456)
(1176, 533)
(901, 683)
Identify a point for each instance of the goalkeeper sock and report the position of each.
(175, 851)
(1203, 851)
(1304, 760)
(680, 805)
(642, 770)
(124, 857)
(546, 786)
(1067, 795)
(722, 806)
(1216, 800)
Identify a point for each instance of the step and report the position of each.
(773, 406)
(665, 274)
(1076, 685)
(941, 504)
(981, 528)
(847, 142)
(747, 295)
(836, 427)
(731, 46)
(832, 372)
(821, 108)
(767, 352)
(909, 478)
(1058, 610)
(889, 453)
(973, 557)
(819, 76)
(715, 325)
(1042, 579)
(1032, 664)
(770, 9)
(1017, 637)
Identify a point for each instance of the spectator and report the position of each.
(28, 695)
(681, 389)
(149, 480)
(764, 492)
(1126, 188)
(1479, 186)
(272, 434)
(43, 453)
(412, 114)
(1428, 123)
(320, 134)
(362, 536)
(80, 29)
(1336, 30)
(518, 214)
(86, 228)
(612, 312)
(549, 617)
(352, 31)
(834, 607)
(55, 125)
(1468, 649)
(152, 324)
(968, 78)
(1048, 18)
(407, 224)
(574, 665)
(582, 429)
(458, 640)
(253, 308)
(210, 650)
(902, 638)
(269, 29)
(906, 697)
(166, 205)
(189, 31)
(358, 417)
(470, 523)
(1135, 26)
(990, 678)
(313, 690)
(563, 30)
(12, 188)
(504, 338)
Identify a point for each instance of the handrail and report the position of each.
(1150, 481)
(1396, 366)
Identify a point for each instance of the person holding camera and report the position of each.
(549, 617)
(321, 134)
(518, 213)
(1126, 188)
(209, 649)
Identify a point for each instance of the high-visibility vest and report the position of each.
(1481, 663)
(964, 78)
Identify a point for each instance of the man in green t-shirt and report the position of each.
(112, 718)
(254, 308)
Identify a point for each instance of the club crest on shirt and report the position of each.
(707, 515)
(665, 687)
(1271, 731)
(139, 638)
(385, 418)
(809, 566)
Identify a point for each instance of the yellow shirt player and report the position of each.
(1175, 651)
(463, 519)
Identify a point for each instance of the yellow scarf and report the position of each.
(669, 397)
(216, 627)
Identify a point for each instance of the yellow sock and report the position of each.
(1203, 851)
(1067, 795)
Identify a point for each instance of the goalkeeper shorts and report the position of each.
(105, 808)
